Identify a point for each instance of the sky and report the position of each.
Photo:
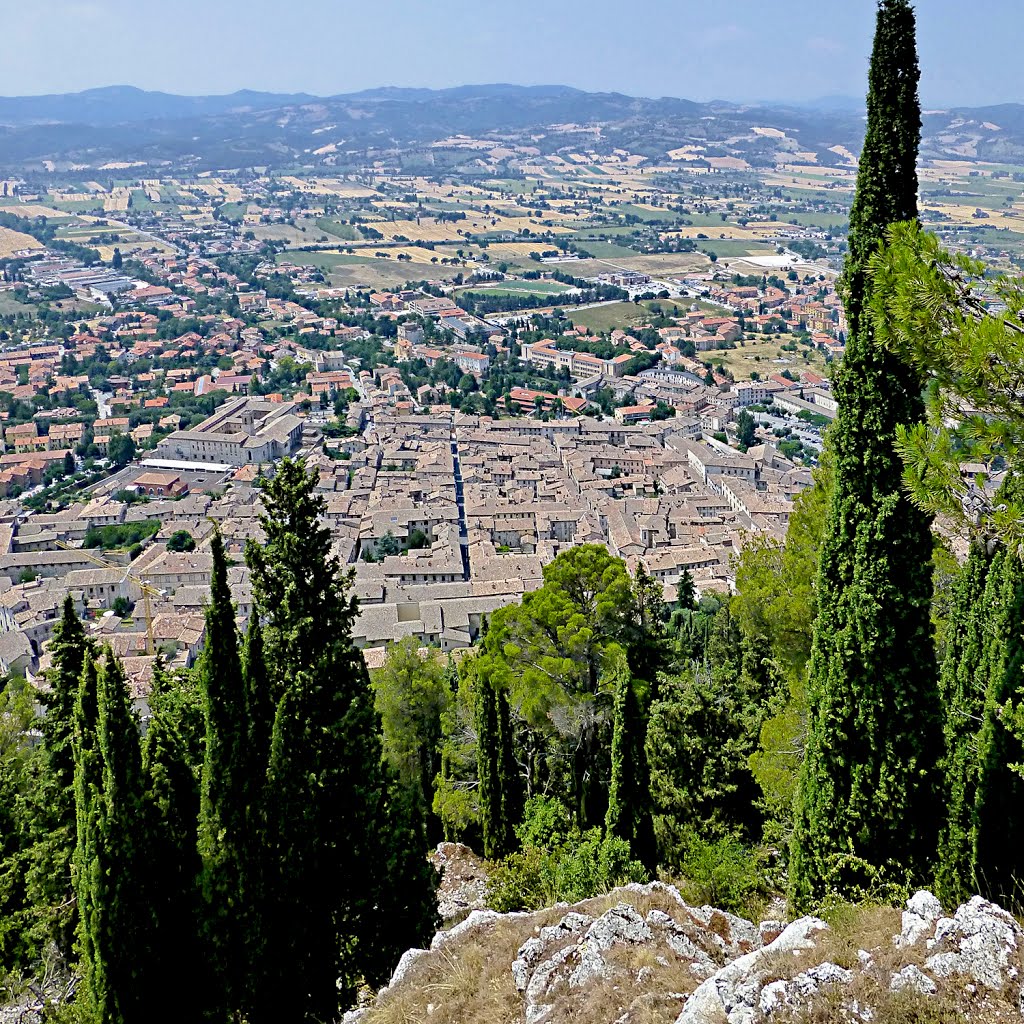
(742, 50)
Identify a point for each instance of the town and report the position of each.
(484, 371)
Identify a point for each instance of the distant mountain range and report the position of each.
(249, 128)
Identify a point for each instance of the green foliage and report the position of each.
(775, 599)
(110, 851)
(121, 535)
(412, 695)
(548, 654)
(962, 326)
(868, 797)
(722, 872)
(181, 540)
(559, 862)
(121, 450)
(322, 929)
(745, 430)
(702, 730)
(629, 811)
(982, 831)
(223, 839)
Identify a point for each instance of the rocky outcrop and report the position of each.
(643, 954)
(463, 885)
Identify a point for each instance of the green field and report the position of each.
(608, 318)
(335, 227)
(518, 288)
(9, 304)
(734, 248)
(346, 270)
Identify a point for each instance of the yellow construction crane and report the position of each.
(146, 588)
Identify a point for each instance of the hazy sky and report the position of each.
(697, 49)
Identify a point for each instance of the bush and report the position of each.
(559, 862)
(724, 873)
(181, 540)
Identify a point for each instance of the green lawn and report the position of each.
(608, 318)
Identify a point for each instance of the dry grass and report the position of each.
(14, 241)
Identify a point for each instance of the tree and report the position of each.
(686, 592)
(181, 540)
(412, 695)
(171, 866)
(331, 809)
(629, 812)
(745, 430)
(496, 824)
(117, 260)
(867, 804)
(114, 926)
(547, 653)
(121, 450)
(962, 326)
(69, 463)
(775, 599)
(223, 814)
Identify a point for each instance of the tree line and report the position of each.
(245, 838)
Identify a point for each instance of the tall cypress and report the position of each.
(867, 802)
(962, 687)
(629, 809)
(115, 918)
(68, 648)
(171, 869)
(223, 811)
(326, 784)
(998, 849)
(53, 818)
(492, 826)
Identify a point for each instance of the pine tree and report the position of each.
(326, 784)
(867, 801)
(962, 688)
(223, 818)
(115, 920)
(629, 811)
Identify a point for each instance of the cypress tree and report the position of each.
(962, 689)
(508, 773)
(999, 802)
(629, 811)
(115, 925)
(87, 796)
(171, 879)
(499, 796)
(223, 810)
(53, 815)
(69, 648)
(867, 803)
(488, 740)
(326, 784)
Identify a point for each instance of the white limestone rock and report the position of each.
(913, 978)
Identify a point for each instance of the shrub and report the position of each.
(723, 873)
(559, 862)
